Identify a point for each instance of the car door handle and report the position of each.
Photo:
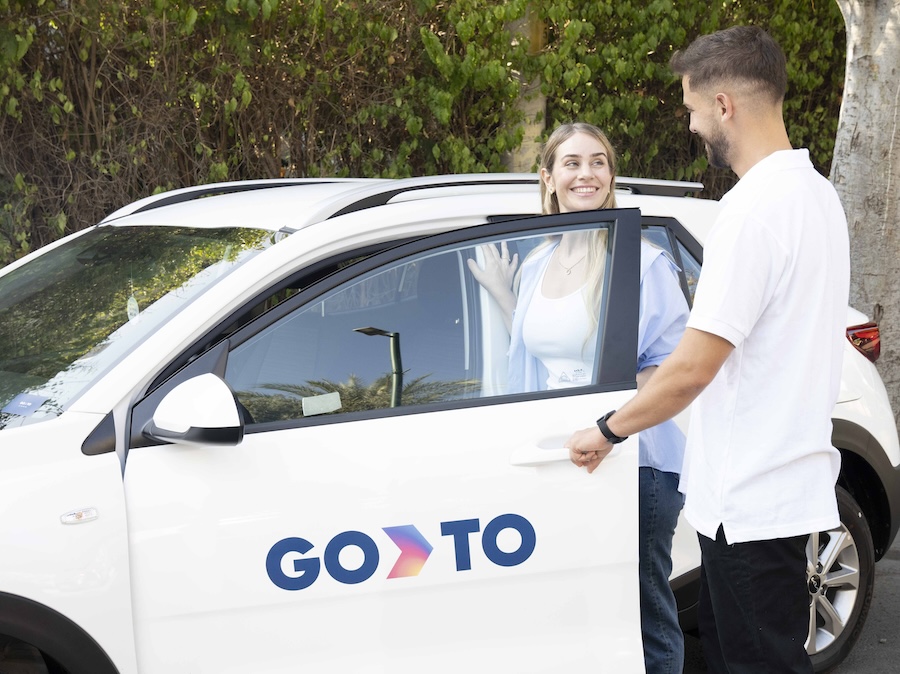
(536, 455)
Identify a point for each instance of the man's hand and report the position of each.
(673, 386)
(588, 447)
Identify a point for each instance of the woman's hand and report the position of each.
(497, 276)
(499, 270)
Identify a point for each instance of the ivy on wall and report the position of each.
(102, 103)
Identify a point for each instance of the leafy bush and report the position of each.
(610, 67)
(102, 103)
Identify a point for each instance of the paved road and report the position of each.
(878, 649)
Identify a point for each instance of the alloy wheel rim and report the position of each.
(833, 579)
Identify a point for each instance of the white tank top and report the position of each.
(556, 332)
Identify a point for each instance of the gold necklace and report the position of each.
(569, 269)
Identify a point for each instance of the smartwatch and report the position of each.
(608, 434)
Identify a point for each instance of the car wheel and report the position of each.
(841, 576)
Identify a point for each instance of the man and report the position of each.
(762, 357)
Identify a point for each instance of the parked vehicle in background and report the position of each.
(253, 426)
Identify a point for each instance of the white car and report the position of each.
(264, 427)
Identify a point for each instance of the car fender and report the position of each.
(868, 474)
(64, 531)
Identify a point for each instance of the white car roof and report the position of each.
(289, 205)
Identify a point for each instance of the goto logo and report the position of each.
(414, 551)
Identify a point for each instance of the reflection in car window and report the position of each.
(70, 314)
(415, 332)
(691, 271)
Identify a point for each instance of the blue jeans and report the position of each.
(660, 504)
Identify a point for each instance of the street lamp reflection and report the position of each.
(396, 365)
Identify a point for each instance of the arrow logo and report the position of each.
(414, 550)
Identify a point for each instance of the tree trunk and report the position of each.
(866, 171)
(532, 102)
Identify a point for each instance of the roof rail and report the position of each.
(385, 192)
(190, 194)
(184, 194)
(378, 192)
(659, 188)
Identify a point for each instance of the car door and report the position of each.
(392, 507)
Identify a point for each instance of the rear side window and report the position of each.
(667, 238)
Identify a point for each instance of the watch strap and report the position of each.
(607, 433)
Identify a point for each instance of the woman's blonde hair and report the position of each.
(595, 257)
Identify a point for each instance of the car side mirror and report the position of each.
(200, 411)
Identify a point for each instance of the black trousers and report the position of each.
(754, 606)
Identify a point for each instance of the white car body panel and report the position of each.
(202, 521)
(80, 569)
(864, 401)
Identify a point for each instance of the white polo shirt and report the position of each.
(775, 283)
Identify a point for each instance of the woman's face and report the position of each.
(581, 174)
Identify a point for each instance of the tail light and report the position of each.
(867, 340)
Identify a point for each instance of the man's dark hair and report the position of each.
(741, 53)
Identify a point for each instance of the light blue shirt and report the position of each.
(663, 315)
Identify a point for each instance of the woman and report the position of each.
(576, 175)
(551, 309)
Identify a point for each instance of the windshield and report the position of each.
(68, 316)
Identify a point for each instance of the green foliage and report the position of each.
(610, 67)
(102, 103)
(105, 102)
(814, 39)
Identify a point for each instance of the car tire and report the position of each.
(841, 579)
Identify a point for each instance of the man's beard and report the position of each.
(717, 150)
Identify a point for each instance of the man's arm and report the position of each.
(644, 375)
(675, 384)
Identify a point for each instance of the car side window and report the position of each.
(660, 236)
(415, 331)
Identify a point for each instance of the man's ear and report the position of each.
(724, 106)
